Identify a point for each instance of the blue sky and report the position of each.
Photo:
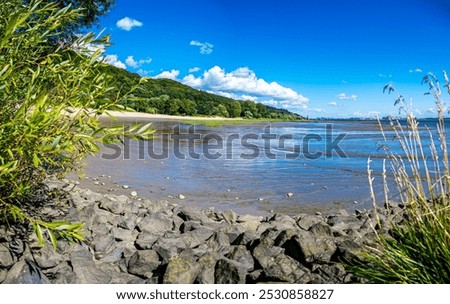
(316, 58)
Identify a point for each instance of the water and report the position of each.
(324, 165)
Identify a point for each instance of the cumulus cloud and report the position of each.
(206, 48)
(135, 64)
(243, 81)
(332, 104)
(114, 61)
(344, 96)
(173, 74)
(194, 70)
(127, 23)
(417, 70)
(385, 76)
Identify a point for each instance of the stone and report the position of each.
(207, 263)
(278, 266)
(145, 240)
(243, 256)
(103, 243)
(6, 258)
(182, 269)
(229, 272)
(47, 257)
(348, 251)
(85, 270)
(156, 223)
(310, 249)
(133, 194)
(25, 272)
(219, 243)
(125, 187)
(143, 262)
(168, 247)
(307, 221)
(196, 237)
(181, 196)
(290, 194)
(321, 229)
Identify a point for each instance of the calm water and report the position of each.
(252, 168)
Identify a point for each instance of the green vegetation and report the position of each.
(50, 99)
(418, 250)
(165, 96)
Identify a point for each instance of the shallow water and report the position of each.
(252, 168)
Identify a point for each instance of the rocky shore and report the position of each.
(141, 241)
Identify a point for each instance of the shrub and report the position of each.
(50, 100)
(417, 250)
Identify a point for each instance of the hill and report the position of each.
(165, 96)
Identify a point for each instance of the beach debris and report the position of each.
(133, 194)
(290, 194)
(181, 196)
(125, 186)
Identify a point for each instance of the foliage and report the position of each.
(165, 96)
(50, 100)
(418, 250)
(90, 11)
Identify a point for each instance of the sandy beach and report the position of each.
(127, 115)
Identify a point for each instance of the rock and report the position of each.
(145, 240)
(229, 272)
(143, 263)
(348, 251)
(187, 214)
(307, 221)
(207, 263)
(85, 270)
(25, 272)
(290, 194)
(321, 229)
(125, 187)
(278, 266)
(310, 249)
(229, 216)
(181, 196)
(196, 237)
(133, 194)
(113, 256)
(182, 270)
(6, 258)
(243, 256)
(219, 243)
(102, 244)
(47, 257)
(156, 223)
(169, 247)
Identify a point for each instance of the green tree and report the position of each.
(234, 108)
(50, 100)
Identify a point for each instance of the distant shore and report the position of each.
(125, 115)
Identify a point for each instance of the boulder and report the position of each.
(310, 249)
(25, 272)
(142, 263)
(229, 272)
(6, 258)
(182, 269)
(85, 270)
(243, 256)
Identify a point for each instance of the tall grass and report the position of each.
(417, 249)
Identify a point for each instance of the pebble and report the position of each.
(96, 183)
(102, 184)
(290, 194)
(125, 186)
(324, 187)
(181, 196)
(260, 199)
(167, 177)
(133, 194)
(355, 202)
(109, 177)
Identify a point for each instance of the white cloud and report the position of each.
(114, 61)
(173, 74)
(143, 72)
(244, 81)
(194, 70)
(249, 97)
(135, 64)
(127, 24)
(332, 104)
(417, 70)
(344, 96)
(206, 48)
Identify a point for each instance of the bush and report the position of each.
(50, 100)
(417, 250)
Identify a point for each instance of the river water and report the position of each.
(287, 167)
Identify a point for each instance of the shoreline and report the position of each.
(132, 241)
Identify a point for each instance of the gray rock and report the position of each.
(85, 270)
(156, 223)
(25, 272)
(321, 229)
(182, 269)
(196, 237)
(169, 247)
(102, 244)
(187, 214)
(243, 256)
(278, 266)
(307, 221)
(310, 249)
(3, 273)
(145, 240)
(229, 272)
(348, 251)
(6, 258)
(61, 274)
(219, 243)
(207, 263)
(143, 263)
(114, 256)
(47, 257)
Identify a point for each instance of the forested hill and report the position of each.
(165, 96)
